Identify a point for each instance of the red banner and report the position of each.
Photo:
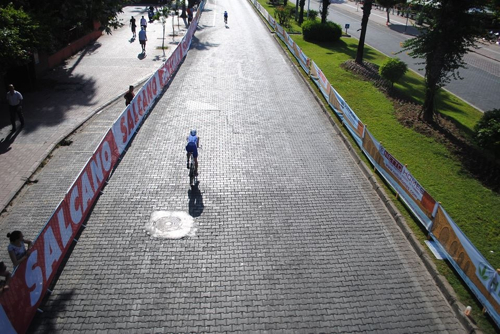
(33, 276)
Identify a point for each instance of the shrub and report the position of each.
(283, 14)
(488, 132)
(393, 69)
(313, 14)
(319, 32)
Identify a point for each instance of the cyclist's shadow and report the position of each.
(195, 201)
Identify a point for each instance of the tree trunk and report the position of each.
(433, 77)
(285, 2)
(367, 8)
(428, 107)
(301, 14)
(324, 10)
(296, 10)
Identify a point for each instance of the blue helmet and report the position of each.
(193, 132)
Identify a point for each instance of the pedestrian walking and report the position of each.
(183, 15)
(15, 101)
(132, 26)
(151, 13)
(190, 15)
(142, 39)
(129, 95)
(144, 23)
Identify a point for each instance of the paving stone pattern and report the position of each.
(290, 235)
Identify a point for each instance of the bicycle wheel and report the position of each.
(191, 174)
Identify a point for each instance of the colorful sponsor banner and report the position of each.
(128, 122)
(320, 79)
(272, 21)
(349, 116)
(280, 31)
(403, 176)
(303, 60)
(400, 179)
(32, 277)
(482, 279)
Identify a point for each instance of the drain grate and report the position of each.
(170, 225)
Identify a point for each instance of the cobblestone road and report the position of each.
(290, 235)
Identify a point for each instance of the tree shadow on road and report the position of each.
(404, 29)
(55, 95)
(59, 91)
(196, 44)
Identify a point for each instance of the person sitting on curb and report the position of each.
(17, 251)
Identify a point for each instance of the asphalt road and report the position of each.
(481, 79)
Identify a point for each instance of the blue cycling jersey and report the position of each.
(192, 139)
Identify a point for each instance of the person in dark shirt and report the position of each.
(129, 95)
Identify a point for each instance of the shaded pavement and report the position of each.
(70, 94)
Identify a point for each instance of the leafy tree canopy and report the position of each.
(18, 35)
(453, 28)
(49, 25)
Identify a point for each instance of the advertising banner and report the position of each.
(280, 31)
(396, 174)
(482, 279)
(348, 116)
(303, 60)
(128, 122)
(320, 80)
(33, 276)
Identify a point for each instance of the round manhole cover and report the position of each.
(170, 225)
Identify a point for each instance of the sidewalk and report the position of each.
(72, 93)
(402, 25)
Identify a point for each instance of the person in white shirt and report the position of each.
(142, 39)
(144, 23)
(15, 101)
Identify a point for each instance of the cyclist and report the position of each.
(192, 148)
(225, 17)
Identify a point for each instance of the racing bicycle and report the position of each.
(193, 177)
